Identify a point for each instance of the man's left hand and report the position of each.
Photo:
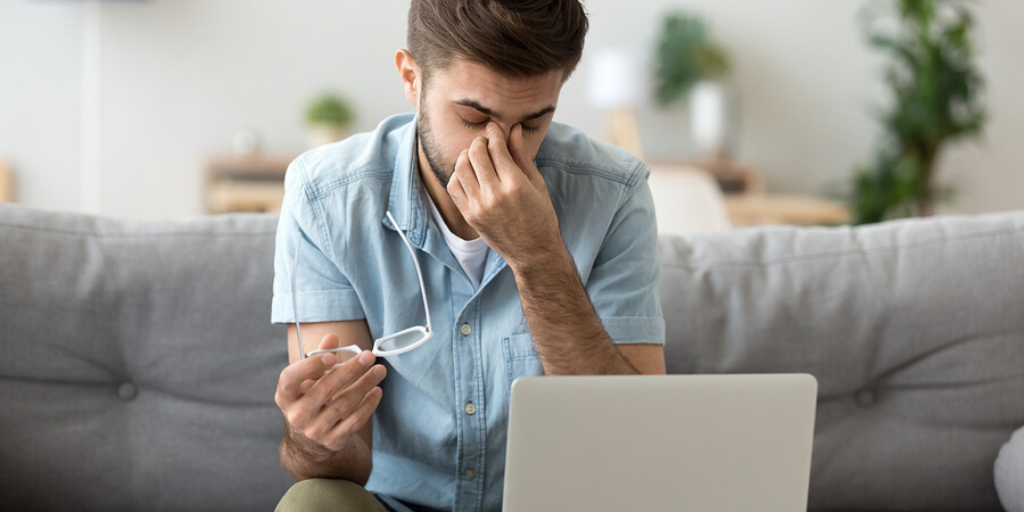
(502, 195)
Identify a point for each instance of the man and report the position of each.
(537, 247)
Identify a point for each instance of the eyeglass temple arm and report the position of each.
(419, 273)
(295, 266)
(295, 305)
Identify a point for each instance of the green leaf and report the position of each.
(936, 97)
(684, 56)
(329, 109)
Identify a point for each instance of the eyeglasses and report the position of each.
(393, 345)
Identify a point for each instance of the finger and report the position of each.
(355, 421)
(483, 168)
(467, 176)
(329, 341)
(457, 192)
(342, 377)
(464, 168)
(497, 148)
(349, 399)
(338, 383)
(303, 411)
(292, 377)
(518, 151)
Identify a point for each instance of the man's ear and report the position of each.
(409, 73)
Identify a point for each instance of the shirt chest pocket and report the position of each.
(521, 357)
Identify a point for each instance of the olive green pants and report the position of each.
(324, 494)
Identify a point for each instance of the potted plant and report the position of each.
(689, 66)
(936, 99)
(328, 117)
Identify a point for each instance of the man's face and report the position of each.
(457, 103)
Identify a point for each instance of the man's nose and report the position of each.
(506, 130)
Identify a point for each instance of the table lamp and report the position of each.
(616, 81)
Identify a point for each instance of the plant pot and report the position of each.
(320, 134)
(714, 114)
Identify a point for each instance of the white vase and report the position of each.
(714, 113)
(320, 134)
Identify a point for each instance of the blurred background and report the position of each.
(176, 108)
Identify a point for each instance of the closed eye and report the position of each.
(527, 129)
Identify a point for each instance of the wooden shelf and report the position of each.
(244, 197)
(762, 209)
(257, 165)
(245, 183)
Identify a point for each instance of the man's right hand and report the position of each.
(329, 407)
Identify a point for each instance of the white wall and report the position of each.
(40, 103)
(179, 77)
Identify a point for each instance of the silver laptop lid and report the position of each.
(702, 443)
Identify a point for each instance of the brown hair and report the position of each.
(519, 39)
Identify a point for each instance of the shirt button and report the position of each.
(466, 329)
(470, 474)
(470, 408)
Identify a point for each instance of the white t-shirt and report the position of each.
(471, 254)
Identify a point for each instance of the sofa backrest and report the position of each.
(914, 330)
(140, 364)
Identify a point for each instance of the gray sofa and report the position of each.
(139, 363)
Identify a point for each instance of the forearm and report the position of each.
(304, 460)
(569, 336)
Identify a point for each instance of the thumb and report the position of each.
(329, 341)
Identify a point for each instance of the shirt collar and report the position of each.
(405, 200)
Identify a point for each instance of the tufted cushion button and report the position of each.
(127, 391)
(864, 397)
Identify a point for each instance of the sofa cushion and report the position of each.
(139, 363)
(1009, 472)
(913, 329)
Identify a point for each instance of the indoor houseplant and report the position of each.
(936, 98)
(328, 117)
(689, 66)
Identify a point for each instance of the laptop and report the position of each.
(701, 443)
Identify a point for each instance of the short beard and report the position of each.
(429, 144)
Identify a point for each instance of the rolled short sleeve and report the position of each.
(323, 293)
(623, 285)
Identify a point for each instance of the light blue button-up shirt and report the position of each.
(428, 446)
